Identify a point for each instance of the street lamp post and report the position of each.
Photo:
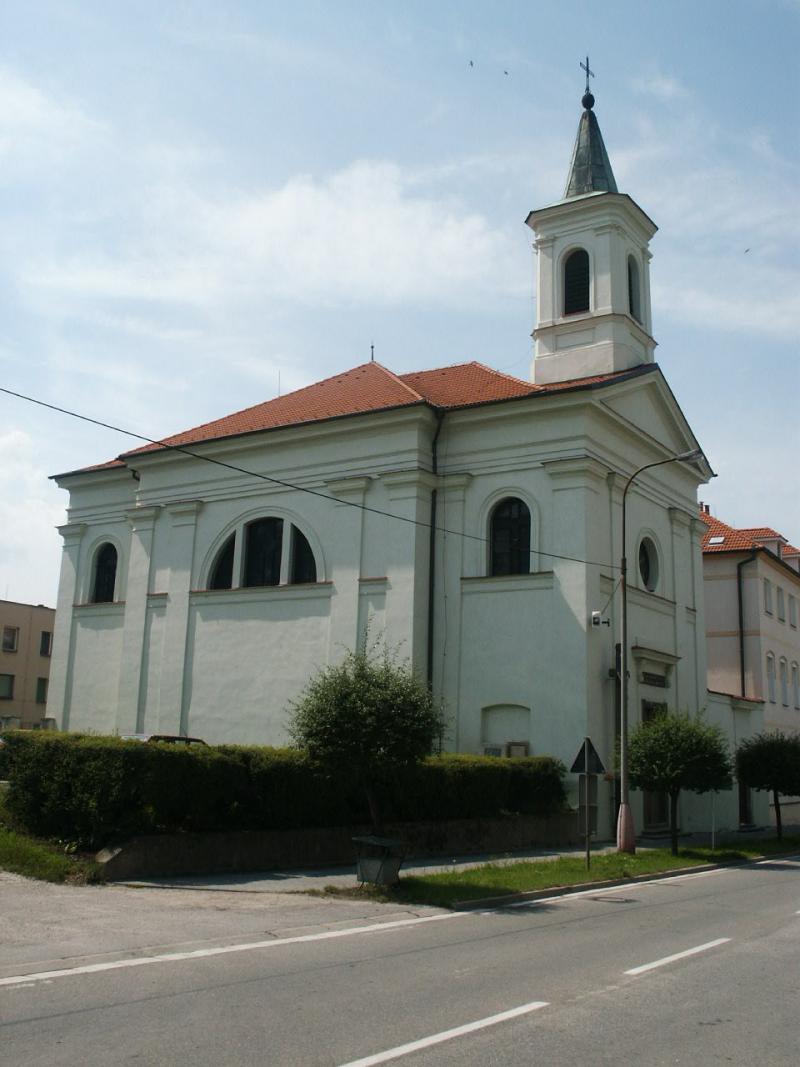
(626, 835)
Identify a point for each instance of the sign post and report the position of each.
(589, 764)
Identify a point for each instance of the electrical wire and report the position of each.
(281, 482)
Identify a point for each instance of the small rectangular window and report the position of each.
(10, 638)
(771, 679)
(46, 643)
(792, 611)
(781, 605)
(41, 690)
(768, 596)
(6, 686)
(784, 683)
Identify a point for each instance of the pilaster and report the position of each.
(345, 554)
(173, 709)
(60, 685)
(142, 521)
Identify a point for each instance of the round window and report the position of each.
(648, 564)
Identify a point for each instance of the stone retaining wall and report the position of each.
(169, 855)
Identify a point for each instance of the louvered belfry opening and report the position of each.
(576, 282)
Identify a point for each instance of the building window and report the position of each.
(6, 686)
(781, 606)
(792, 611)
(768, 596)
(510, 538)
(105, 574)
(648, 564)
(41, 690)
(784, 673)
(303, 565)
(222, 571)
(262, 552)
(796, 685)
(771, 677)
(275, 552)
(46, 643)
(10, 638)
(634, 289)
(576, 282)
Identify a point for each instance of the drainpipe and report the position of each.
(432, 543)
(740, 591)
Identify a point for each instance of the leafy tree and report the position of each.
(674, 752)
(367, 716)
(771, 761)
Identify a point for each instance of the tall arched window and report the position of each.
(796, 685)
(634, 289)
(510, 537)
(304, 566)
(784, 673)
(105, 574)
(576, 282)
(771, 677)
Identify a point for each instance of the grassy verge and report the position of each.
(497, 880)
(44, 860)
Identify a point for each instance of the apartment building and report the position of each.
(26, 642)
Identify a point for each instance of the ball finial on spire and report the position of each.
(588, 101)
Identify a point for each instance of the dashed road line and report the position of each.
(677, 956)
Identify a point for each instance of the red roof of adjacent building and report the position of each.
(720, 537)
(369, 388)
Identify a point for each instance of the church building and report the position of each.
(470, 518)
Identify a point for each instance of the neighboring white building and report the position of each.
(198, 597)
(752, 602)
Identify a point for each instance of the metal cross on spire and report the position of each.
(589, 73)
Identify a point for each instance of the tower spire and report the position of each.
(590, 169)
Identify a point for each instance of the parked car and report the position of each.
(172, 739)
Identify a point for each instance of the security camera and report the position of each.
(598, 620)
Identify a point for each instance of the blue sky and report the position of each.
(198, 198)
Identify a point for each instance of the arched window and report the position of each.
(784, 673)
(576, 282)
(510, 538)
(274, 552)
(634, 289)
(796, 685)
(222, 572)
(771, 677)
(105, 574)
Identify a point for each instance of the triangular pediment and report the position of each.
(648, 406)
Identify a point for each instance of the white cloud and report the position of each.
(661, 86)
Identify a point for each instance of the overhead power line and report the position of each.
(281, 482)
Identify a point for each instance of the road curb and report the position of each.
(608, 883)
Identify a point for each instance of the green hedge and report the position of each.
(94, 789)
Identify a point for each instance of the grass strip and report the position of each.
(32, 858)
(501, 879)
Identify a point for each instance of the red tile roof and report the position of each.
(743, 540)
(369, 388)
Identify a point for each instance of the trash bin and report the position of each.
(378, 859)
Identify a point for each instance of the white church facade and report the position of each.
(472, 518)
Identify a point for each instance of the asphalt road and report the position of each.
(698, 969)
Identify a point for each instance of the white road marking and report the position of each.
(222, 950)
(678, 956)
(446, 1035)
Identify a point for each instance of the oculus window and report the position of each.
(648, 564)
(510, 538)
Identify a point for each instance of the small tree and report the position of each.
(367, 716)
(771, 761)
(675, 752)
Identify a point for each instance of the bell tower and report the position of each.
(593, 287)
